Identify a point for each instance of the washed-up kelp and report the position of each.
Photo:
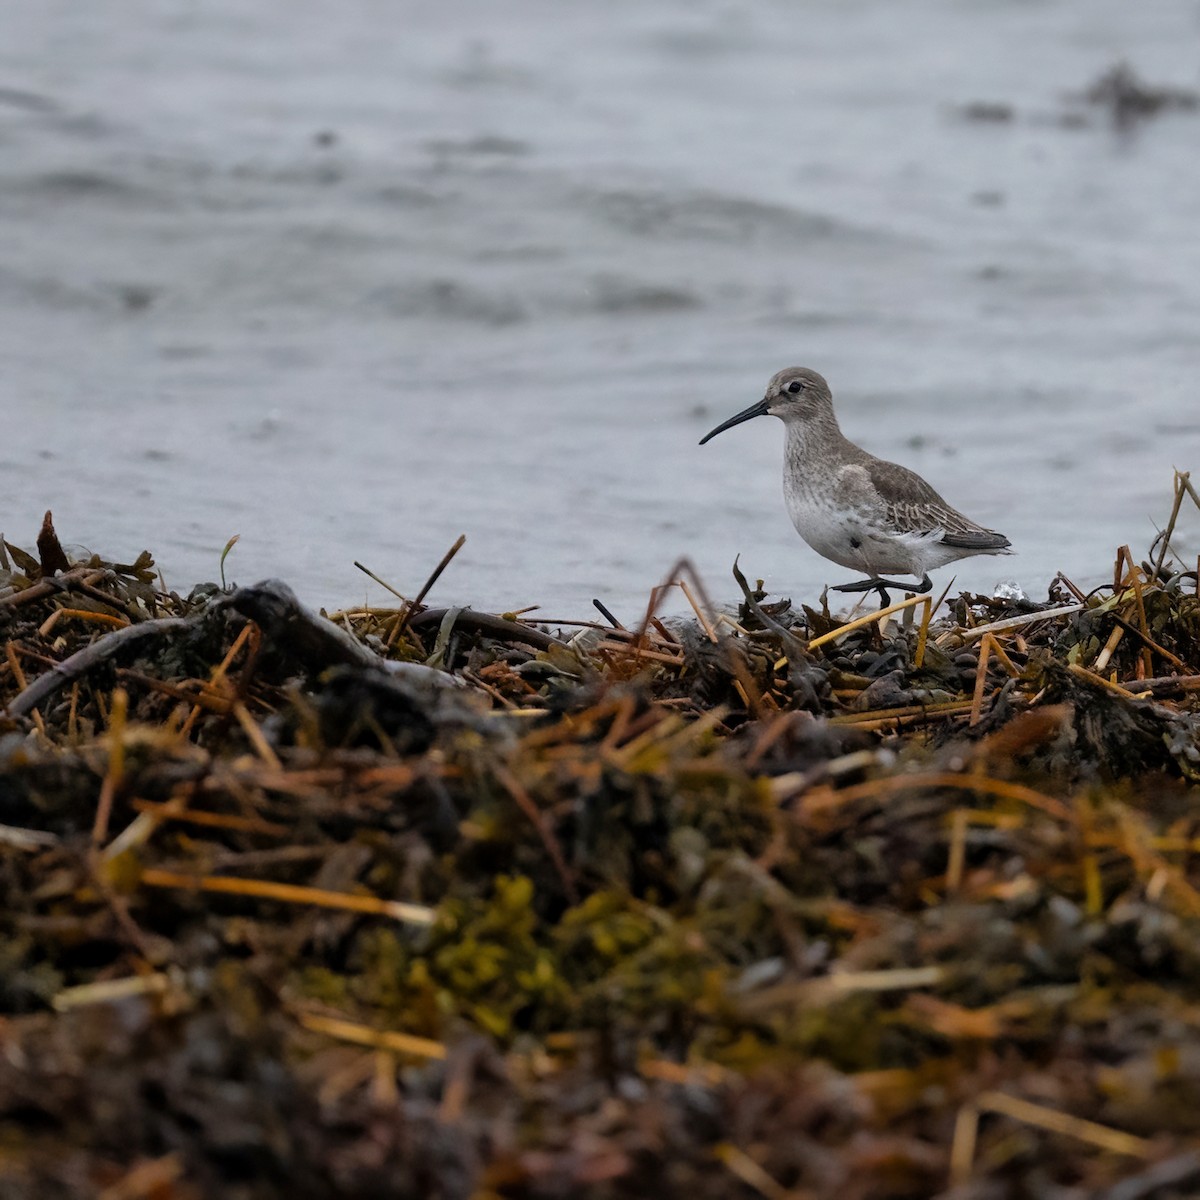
(440, 903)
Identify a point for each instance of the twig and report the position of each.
(27, 839)
(923, 635)
(411, 610)
(744, 681)
(709, 1073)
(1047, 614)
(1149, 642)
(169, 811)
(106, 991)
(868, 619)
(663, 632)
(603, 611)
(671, 660)
(1061, 578)
(50, 587)
(383, 583)
(985, 654)
(744, 1168)
(255, 735)
(1164, 685)
(701, 616)
(216, 694)
(1114, 640)
(127, 609)
(116, 765)
(1170, 527)
(1185, 480)
(870, 723)
(681, 567)
(943, 708)
(889, 784)
(199, 695)
(1050, 1119)
(288, 893)
(962, 1149)
(364, 1035)
(1135, 579)
(1099, 680)
(828, 989)
(956, 861)
(81, 614)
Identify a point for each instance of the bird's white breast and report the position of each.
(840, 516)
(846, 536)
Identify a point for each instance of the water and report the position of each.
(351, 282)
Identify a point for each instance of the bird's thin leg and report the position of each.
(881, 585)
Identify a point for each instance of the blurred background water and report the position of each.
(351, 280)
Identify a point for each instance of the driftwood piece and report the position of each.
(318, 642)
(272, 605)
(90, 657)
(491, 626)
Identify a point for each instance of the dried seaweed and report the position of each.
(440, 903)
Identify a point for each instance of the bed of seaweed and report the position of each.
(438, 903)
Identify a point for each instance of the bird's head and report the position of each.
(794, 394)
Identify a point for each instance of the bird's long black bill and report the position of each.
(747, 414)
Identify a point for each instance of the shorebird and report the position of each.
(856, 509)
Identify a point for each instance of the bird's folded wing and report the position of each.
(976, 539)
(913, 506)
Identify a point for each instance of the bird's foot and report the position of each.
(881, 586)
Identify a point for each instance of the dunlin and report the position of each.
(853, 508)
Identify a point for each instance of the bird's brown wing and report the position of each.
(912, 506)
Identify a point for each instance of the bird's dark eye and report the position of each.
(795, 386)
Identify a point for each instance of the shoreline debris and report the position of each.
(434, 902)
